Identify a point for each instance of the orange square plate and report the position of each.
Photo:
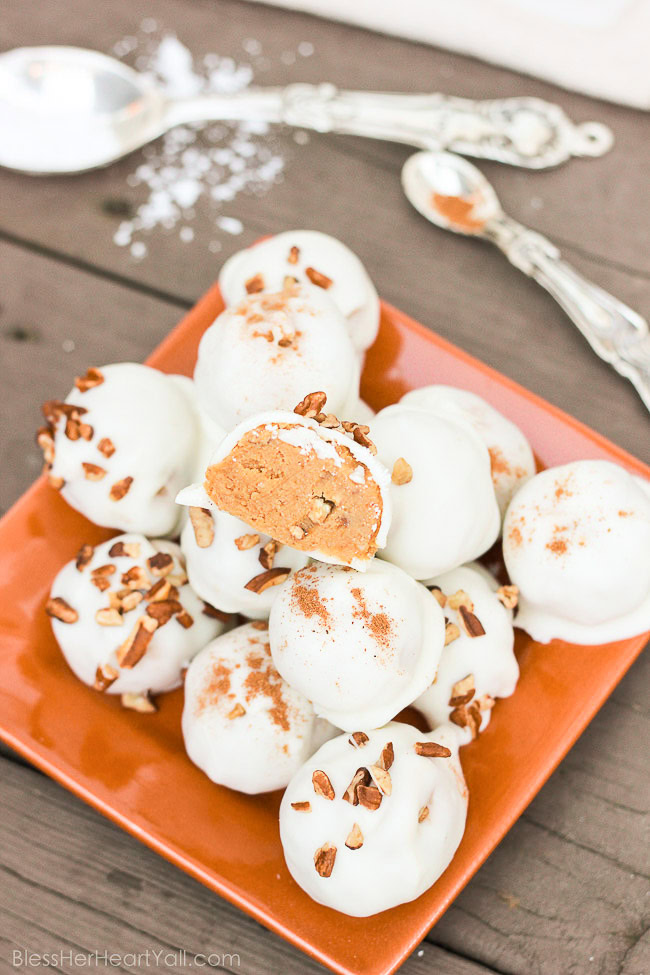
(122, 763)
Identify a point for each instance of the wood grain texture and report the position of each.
(566, 891)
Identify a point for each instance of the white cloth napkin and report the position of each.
(598, 47)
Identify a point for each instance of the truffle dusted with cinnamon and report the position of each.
(313, 257)
(125, 617)
(511, 459)
(242, 724)
(477, 664)
(306, 482)
(576, 541)
(121, 445)
(230, 565)
(361, 645)
(386, 825)
(269, 350)
(444, 508)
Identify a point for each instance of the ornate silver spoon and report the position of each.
(453, 194)
(66, 109)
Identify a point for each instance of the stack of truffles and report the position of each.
(322, 578)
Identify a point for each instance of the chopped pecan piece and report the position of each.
(301, 806)
(369, 796)
(382, 779)
(185, 619)
(320, 510)
(93, 472)
(132, 598)
(92, 378)
(264, 581)
(120, 489)
(84, 556)
(297, 532)
(237, 712)
(45, 441)
(244, 542)
(460, 598)
(102, 583)
(161, 590)
(143, 703)
(216, 614)
(486, 702)
(423, 814)
(124, 550)
(163, 610)
(160, 564)
(106, 447)
(268, 553)
(322, 785)
(471, 623)
(260, 624)
(360, 433)
(312, 404)
(203, 526)
(105, 675)
(294, 254)
(508, 595)
(75, 429)
(355, 838)
(358, 739)
(467, 716)
(254, 285)
(438, 595)
(328, 420)
(463, 691)
(387, 756)
(324, 859)
(135, 578)
(320, 280)
(61, 610)
(360, 777)
(135, 646)
(431, 749)
(402, 472)
(109, 617)
(451, 633)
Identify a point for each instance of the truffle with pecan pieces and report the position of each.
(125, 617)
(576, 541)
(242, 724)
(307, 256)
(386, 825)
(361, 645)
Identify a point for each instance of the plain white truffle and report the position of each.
(447, 513)
(361, 860)
(220, 569)
(92, 588)
(242, 724)
(488, 660)
(269, 351)
(127, 452)
(576, 541)
(360, 645)
(511, 457)
(273, 259)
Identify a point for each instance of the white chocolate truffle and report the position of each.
(444, 508)
(121, 446)
(311, 256)
(125, 618)
(478, 662)
(511, 458)
(576, 541)
(360, 645)
(242, 724)
(368, 826)
(229, 565)
(304, 484)
(269, 350)
(210, 433)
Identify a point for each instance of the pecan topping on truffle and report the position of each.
(324, 859)
(203, 526)
(460, 598)
(301, 806)
(355, 838)
(124, 550)
(467, 716)
(382, 778)
(135, 646)
(135, 578)
(237, 712)
(451, 633)
(120, 489)
(294, 254)
(431, 749)
(160, 564)
(402, 472)
(163, 610)
(92, 378)
(106, 447)
(438, 595)
(105, 675)
(264, 581)
(322, 785)
(423, 814)
(358, 738)
(185, 619)
(143, 703)
(216, 614)
(387, 756)
(60, 610)
(84, 556)
(45, 440)
(320, 280)
(471, 623)
(312, 404)
(463, 691)
(255, 284)
(108, 617)
(508, 595)
(92, 472)
(369, 796)
(245, 542)
(360, 777)
(268, 553)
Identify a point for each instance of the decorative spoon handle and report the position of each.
(615, 332)
(525, 132)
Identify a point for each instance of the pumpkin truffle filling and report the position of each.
(303, 486)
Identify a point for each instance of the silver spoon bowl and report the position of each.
(453, 194)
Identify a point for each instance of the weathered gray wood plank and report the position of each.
(69, 879)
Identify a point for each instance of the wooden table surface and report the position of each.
(567, 890)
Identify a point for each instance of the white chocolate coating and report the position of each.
(361, 646)
(148, 418)
(219, 572)
(310, 437)
(511, 457)
(489, 658)
(576, 540)
(407, 842)
(258, 750)
(447, 514)
(210, 433)
(351, 288)
(243, 369)
(87, 645)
